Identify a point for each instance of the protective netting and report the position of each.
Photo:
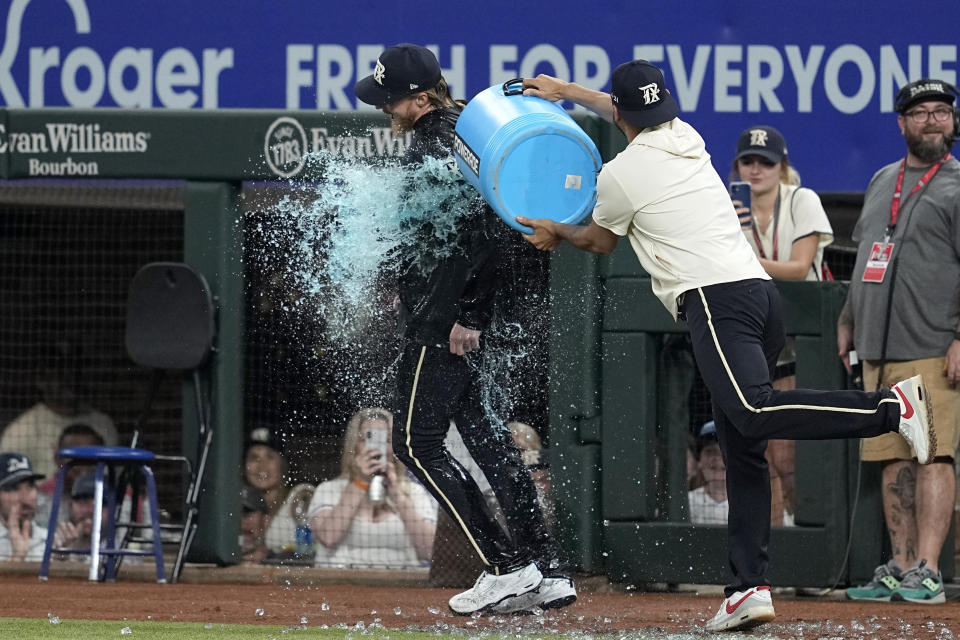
(68, 251)
(321, 338)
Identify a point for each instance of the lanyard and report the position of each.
(776, 222)
(895, 203)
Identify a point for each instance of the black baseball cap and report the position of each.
(763, 141)
(402, 70)
(922, 90)
(640, 96)
(706, 436)
(84, 487)
(264, 436)
(15, 468)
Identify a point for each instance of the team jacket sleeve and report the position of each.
(483, 252)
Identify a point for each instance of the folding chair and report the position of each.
(170, 327)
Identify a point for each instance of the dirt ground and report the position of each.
(285, 606)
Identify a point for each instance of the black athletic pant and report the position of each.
(433, 387)
(737, 332)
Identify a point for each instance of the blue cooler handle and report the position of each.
(507, 91)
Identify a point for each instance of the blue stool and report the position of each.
(107, 460)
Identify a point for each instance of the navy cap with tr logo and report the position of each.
(402, 70)
(640, 96)
(761, 140)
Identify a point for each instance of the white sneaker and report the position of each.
(490, 589)
(916, 417)
(553, 593)
(743, 610)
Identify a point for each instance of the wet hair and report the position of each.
(439, 96)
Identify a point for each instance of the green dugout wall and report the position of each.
(618, 425)
(617, 420)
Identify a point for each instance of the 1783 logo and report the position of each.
(285, 147)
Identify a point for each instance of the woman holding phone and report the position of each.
(788, 229)
(784, 223)
(372, 514)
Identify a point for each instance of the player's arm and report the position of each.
(547, 235)
(554, 89)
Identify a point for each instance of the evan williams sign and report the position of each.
(287, 144)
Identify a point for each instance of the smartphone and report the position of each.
(376, 439)
(741, 191)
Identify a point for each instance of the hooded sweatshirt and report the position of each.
(663, 192)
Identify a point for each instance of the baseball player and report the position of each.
(663, 192)
(444, 311)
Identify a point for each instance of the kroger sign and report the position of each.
(825, 73)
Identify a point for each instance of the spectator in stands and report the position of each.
(788, 229)
(266, 469)
(708, 503)
(454, 562)
(909, 320)
(74, 532)
(353, 527)
(21, 537)
(253, 546)
(73, 435)
(35, 432)
(535, 457)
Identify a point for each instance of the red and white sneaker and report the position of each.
(916, 417)
(743, 610)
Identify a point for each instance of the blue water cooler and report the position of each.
(526, 156)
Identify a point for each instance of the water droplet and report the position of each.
(258, 612)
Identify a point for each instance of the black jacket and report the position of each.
(461, 285)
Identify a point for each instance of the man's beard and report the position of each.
(928, 150)
(400, 125)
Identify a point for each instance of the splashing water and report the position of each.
(344, 237)
(336, 248)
